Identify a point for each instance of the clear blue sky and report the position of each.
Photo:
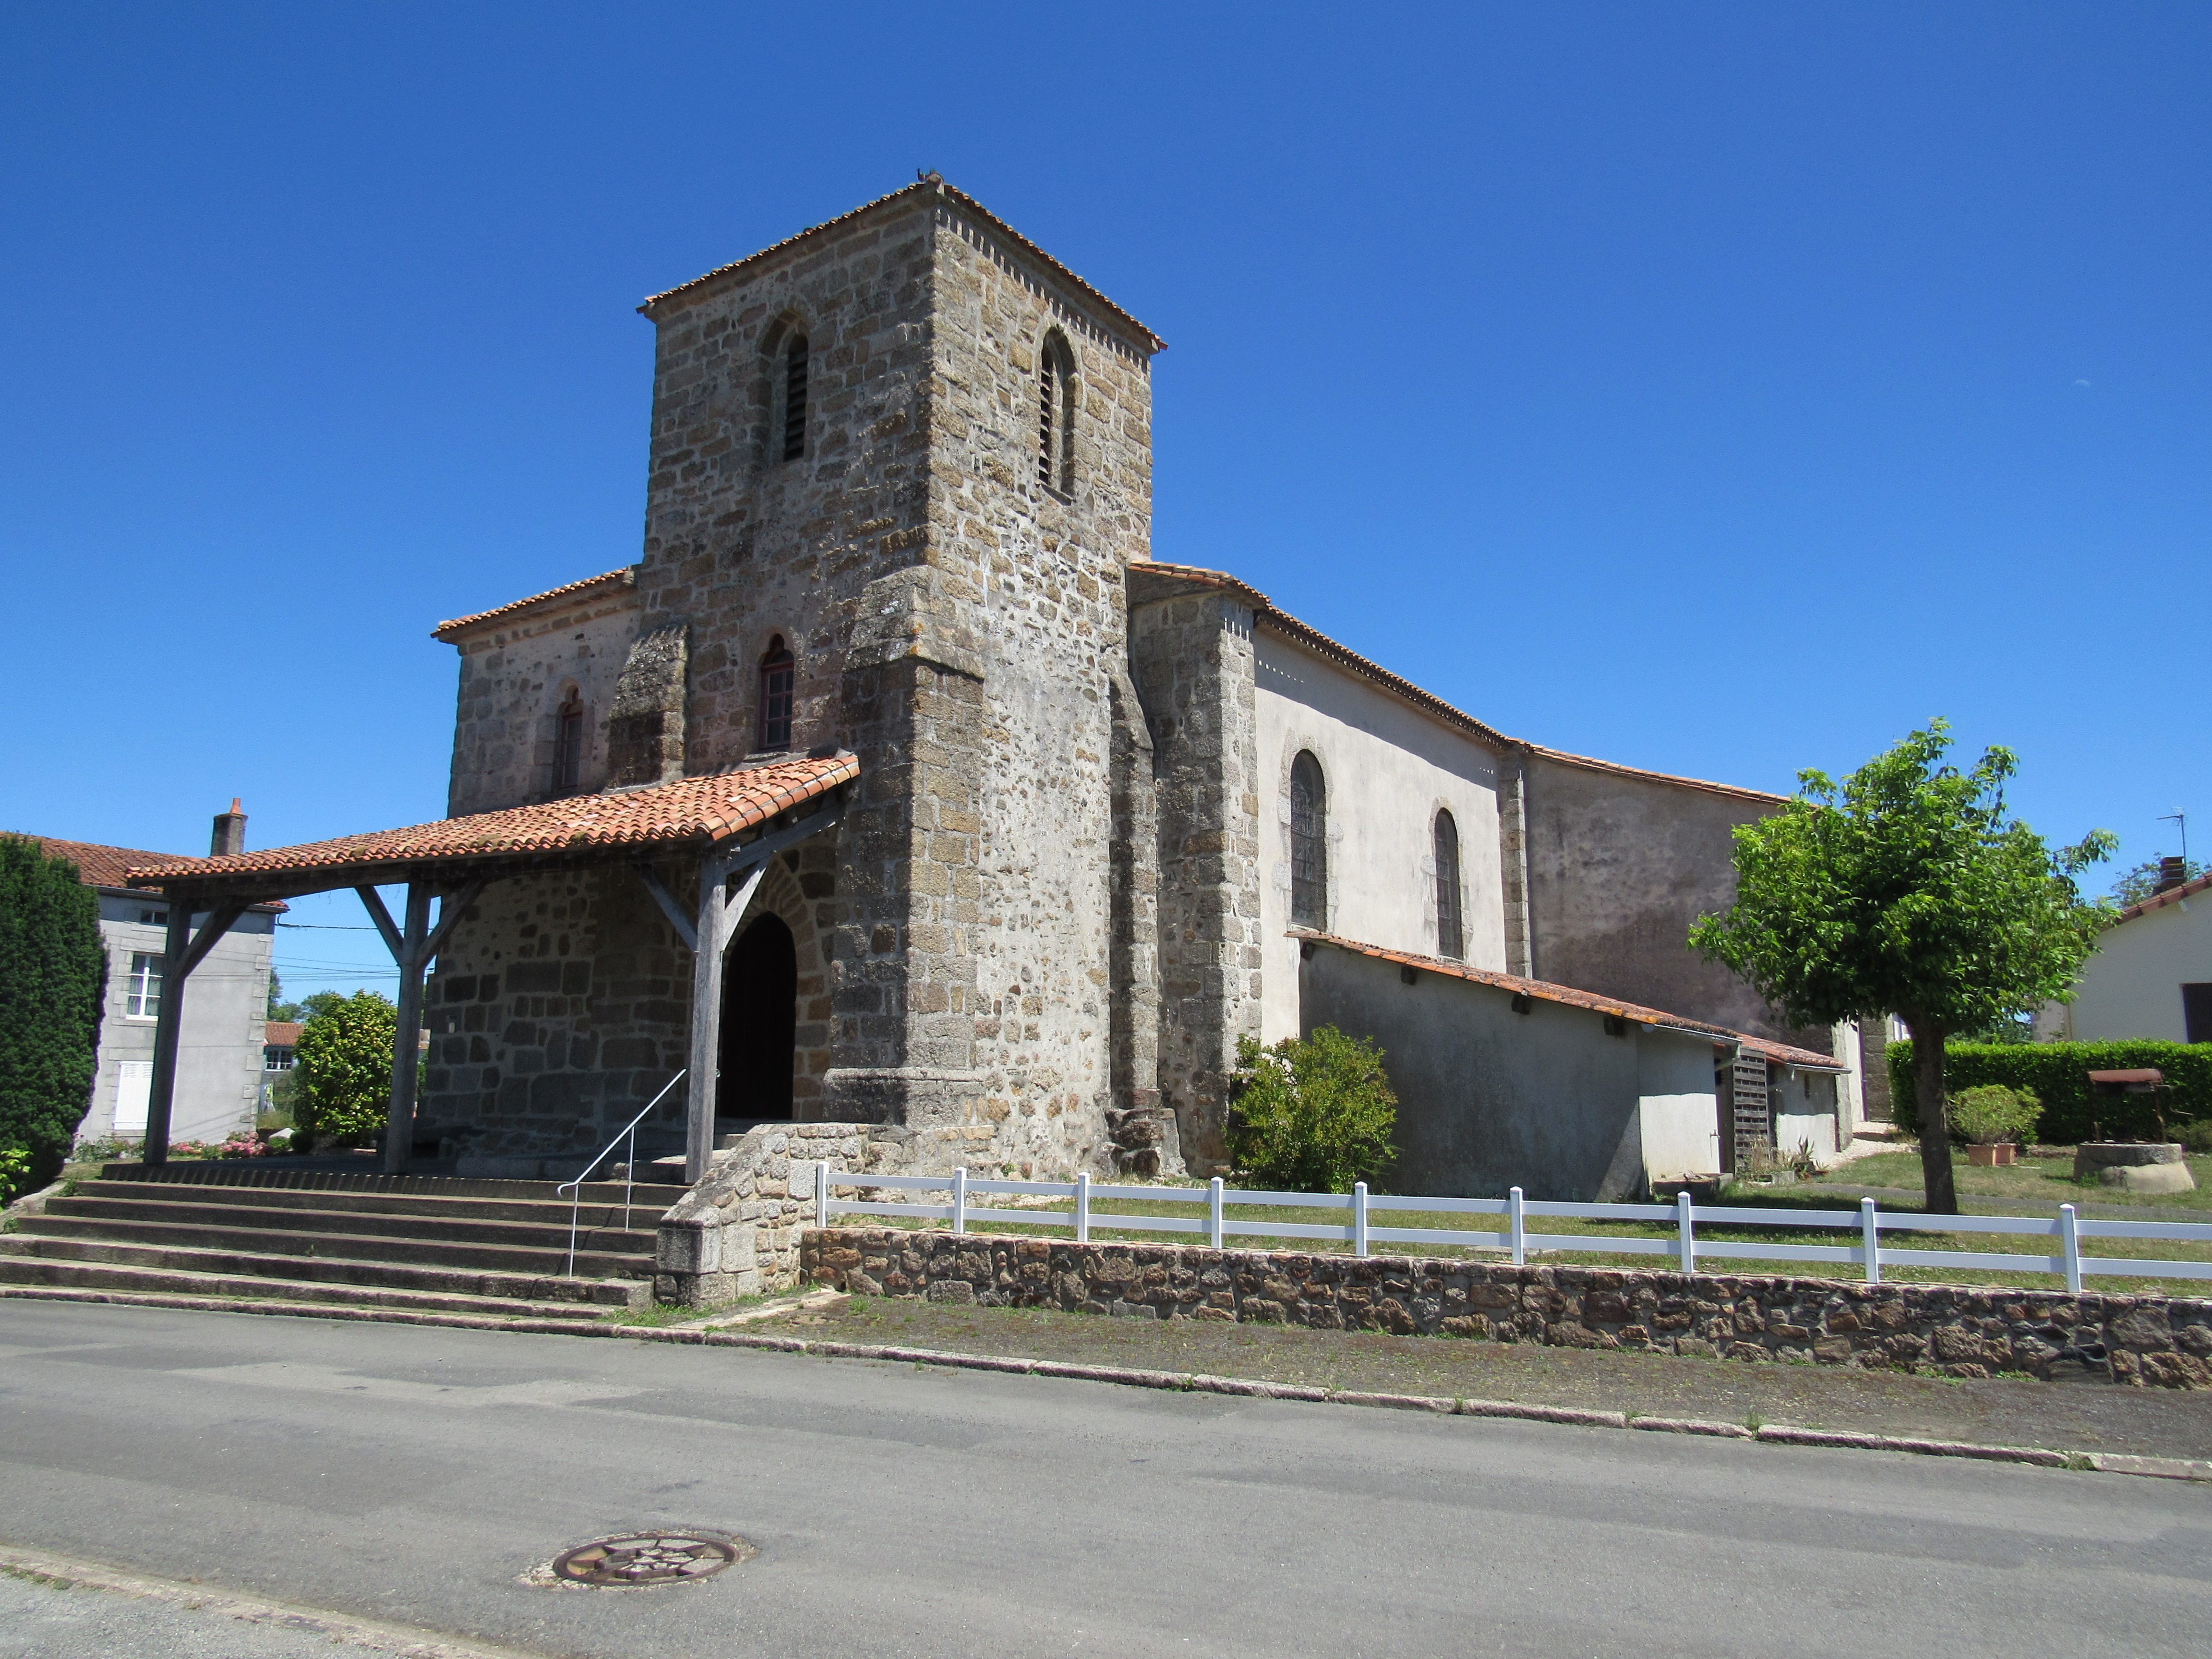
(1719, 389)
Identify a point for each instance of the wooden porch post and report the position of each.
(719, 912)
(414, 946)
(182, 950)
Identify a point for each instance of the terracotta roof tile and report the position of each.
(625, 577)
(1781, 1052)
(691, 813)
(2189, 889)
(1164, 580)
(933, 184)
(280, 1034)
(104, 866)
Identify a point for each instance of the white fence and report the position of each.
(1868, 1252)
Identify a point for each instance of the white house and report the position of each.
(219, 1055)
(2152, 975)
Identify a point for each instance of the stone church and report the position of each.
(1040, 826)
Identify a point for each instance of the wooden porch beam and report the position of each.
(182, 949)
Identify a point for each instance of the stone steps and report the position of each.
(430, 1244)
(547, 1233)
(110, 1276)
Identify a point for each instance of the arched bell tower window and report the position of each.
(569, 745)
(1450, 937)
(1057, 415)
(779, 680)
(793, 436)
(1309, 843)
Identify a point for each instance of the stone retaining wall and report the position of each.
(1962, 1331)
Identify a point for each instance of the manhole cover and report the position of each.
(637, 1558)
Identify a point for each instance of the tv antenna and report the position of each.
(2180, 819)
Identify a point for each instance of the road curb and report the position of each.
(409, 1642)
(1778, 1434)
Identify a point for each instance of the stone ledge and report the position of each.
(1965, 1331)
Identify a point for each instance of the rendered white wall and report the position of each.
(2132, 986)
(1388, 767)
(1678, 1106)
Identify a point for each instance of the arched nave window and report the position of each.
(1309, 843)
(569, 745)
(1450, 942)
(779, 679)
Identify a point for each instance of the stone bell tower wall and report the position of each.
(958, 623)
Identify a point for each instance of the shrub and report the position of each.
(15, 1173)
(1990, 1113)
(344, 1088)
(2057, 1075)
(53, 976)
(1312, 1115)
(2197, 1136)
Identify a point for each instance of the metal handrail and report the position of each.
(629, 1176)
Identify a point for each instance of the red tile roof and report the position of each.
(1170, 577)
(625, 577)
(932, 185)
(280, 1034)
(1584, 761)
(691, 813)
(1165, 580)
(105, 867)
(1780, 1053)
(2171, 895)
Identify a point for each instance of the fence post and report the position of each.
(960, 1199)
(1214, 1212)
(1082, 1209)
(1872, 1235)
(1359, 1218)
(822, 1194)
(1688, 1247)
(1517, 1224)
(2068, 1232)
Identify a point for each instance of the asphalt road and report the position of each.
(414, 1475)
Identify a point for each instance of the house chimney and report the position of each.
(229, 830)
(2171, 872)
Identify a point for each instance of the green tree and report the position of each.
(2142, 882)
(53, 980)
(1908, 890)
(1312, 1116)
(344, 1072)
(278, 1008)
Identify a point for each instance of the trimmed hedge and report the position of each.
(53, 982)
(2057, 1075)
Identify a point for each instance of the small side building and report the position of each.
(1504, 1081)
(218, 1056)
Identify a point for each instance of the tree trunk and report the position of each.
(1942, 1193)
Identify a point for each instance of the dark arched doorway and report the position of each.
(760, 1023)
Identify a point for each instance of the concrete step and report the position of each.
(291, 1240)
(644, 1213)
(266, 1174)
(549, 1231)
(106, 1276)
(65, 1252)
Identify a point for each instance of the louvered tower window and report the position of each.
(1449, 940)
(1057, 415)
(1309, 843)
(779, 677)
(795, 398)
(569, 745)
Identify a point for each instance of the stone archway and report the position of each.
(760, 1022)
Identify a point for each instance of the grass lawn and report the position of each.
(2043, 1183)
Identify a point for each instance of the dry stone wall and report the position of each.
(1966, 1332)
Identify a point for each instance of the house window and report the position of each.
(2197, 1013)
(279, 1057)
(144, 999)
(154, 918)
(778, 675)
(1057, 415)
(1450, 940)
(569, 745)
(795, 398)
(1309, 843)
